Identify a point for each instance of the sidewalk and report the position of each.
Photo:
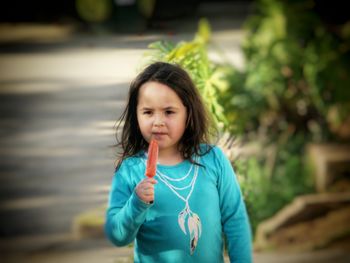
(92, 251)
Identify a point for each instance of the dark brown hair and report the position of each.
(198, 126)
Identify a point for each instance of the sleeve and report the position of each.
(126, 212)
(234, 216)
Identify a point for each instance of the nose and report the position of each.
(158, 122)
(158, 125)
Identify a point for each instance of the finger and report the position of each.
(149, 191)
(150, 180)
(147, 186)
(145, 195)
(145, 189)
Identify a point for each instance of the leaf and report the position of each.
(195, 230)
(193, 244)
(204, 31)
(181, 220)
(198, 223)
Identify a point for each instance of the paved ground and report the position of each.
(98, 251)
(60, 94)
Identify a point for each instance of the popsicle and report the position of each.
(152, 158)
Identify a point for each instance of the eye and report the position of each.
(168, 112)
(147, 112)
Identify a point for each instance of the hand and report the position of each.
(145, 190)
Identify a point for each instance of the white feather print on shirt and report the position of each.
(181, 220)
(194, 226)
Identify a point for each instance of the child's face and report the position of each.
(161, 115)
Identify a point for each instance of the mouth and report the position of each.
(158, 135)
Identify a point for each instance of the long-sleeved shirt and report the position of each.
(194, 208)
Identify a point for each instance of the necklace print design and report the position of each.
(185, 216)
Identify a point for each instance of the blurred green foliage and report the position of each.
(295, 75)
(94, 11)
(146, 7)
(293, 90)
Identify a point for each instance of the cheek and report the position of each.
(143, 123)
(140, 122)
(180, 125)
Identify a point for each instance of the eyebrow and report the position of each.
(166, 108)
(171, 108)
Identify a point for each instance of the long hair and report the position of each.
(198, 124)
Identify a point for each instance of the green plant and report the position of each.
(273, 178)
(95, 11)
(295, 75)
(193, 56)
(293, 90)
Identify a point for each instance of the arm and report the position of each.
(126, 212)
(234, 216)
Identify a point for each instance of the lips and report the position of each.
(158, 135)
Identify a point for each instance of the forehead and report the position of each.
(156, 93)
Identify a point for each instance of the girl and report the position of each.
(182, 213)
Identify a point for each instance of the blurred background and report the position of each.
(274, 74)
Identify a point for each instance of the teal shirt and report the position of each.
(161, 232)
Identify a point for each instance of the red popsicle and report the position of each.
(152, 158)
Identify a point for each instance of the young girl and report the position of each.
(182, 213)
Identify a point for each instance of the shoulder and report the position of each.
(129, 164)
(213, 154)
(212, 150)
(129, 172)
